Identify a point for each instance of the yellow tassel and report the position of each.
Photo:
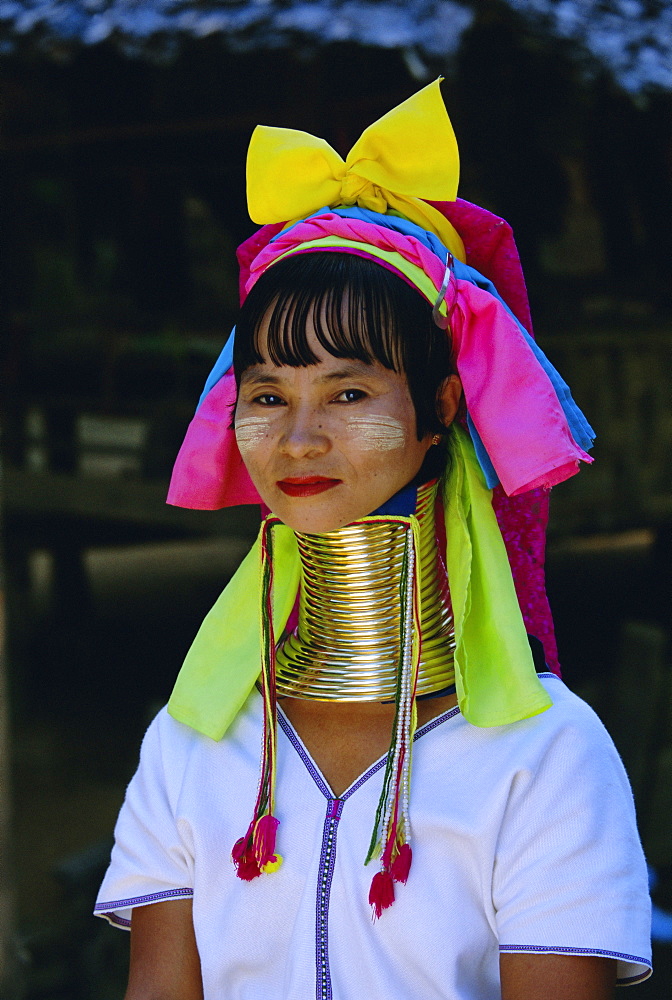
(272, 866)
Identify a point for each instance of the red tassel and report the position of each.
(402, 864)
(247, 867)
(381, 893)
(239, 848)
(244, 859)
(264, 839)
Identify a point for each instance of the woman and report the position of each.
(373, 641)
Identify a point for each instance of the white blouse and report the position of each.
(524, 840)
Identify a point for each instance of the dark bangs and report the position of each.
(358, 310)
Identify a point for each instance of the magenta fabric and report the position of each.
(491, 250)
(251, 247)
(522, 521)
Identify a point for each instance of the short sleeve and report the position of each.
(152, 858)
(570, 875)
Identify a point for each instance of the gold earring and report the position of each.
(436, 439)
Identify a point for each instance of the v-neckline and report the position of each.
(315, 772)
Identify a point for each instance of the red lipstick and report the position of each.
(306, 486)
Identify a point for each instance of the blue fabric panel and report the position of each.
(491, 477)
(221, 367)
(402, 504)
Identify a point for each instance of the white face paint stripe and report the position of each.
(250, 431)
(378, 433)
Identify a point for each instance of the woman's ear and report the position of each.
(448, 399)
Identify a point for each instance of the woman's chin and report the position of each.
(314, 524)
(326, 511)
(310, 517)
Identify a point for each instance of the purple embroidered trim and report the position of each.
(433, 723)
(287, 729)
(117, 921)
(565, 950)
(121, 904)
(364, 777)
(324, 879)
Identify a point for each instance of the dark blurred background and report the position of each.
(125, 128)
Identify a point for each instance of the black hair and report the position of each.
(359, 310)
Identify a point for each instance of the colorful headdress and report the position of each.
(393, 200)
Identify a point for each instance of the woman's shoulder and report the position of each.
(173, 740)
(568, 711)
(570, 734)
(567, 701)
(567, 738)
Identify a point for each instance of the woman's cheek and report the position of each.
(377, 433)
(250, 432)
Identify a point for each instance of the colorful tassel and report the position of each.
(264, 839)
(401, 865)
(243, 857)
(392, 833)
(255, 854)
(272, 865)
(247, 868)
(381, 893)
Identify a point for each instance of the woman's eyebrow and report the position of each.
(255, 376)
(357, 370)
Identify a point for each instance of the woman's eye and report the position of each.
(351, 396)
(268, 399)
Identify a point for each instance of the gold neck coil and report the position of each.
(346, 646)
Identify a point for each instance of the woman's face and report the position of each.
(329, 443)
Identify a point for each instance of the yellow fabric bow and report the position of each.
(407, 155)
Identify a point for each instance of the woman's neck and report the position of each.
(347, 643)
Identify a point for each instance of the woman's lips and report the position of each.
(306, 486)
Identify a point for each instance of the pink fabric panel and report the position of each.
(504, 386)
(491, 249)
(209, 473)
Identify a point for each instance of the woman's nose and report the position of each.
(305, 433)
